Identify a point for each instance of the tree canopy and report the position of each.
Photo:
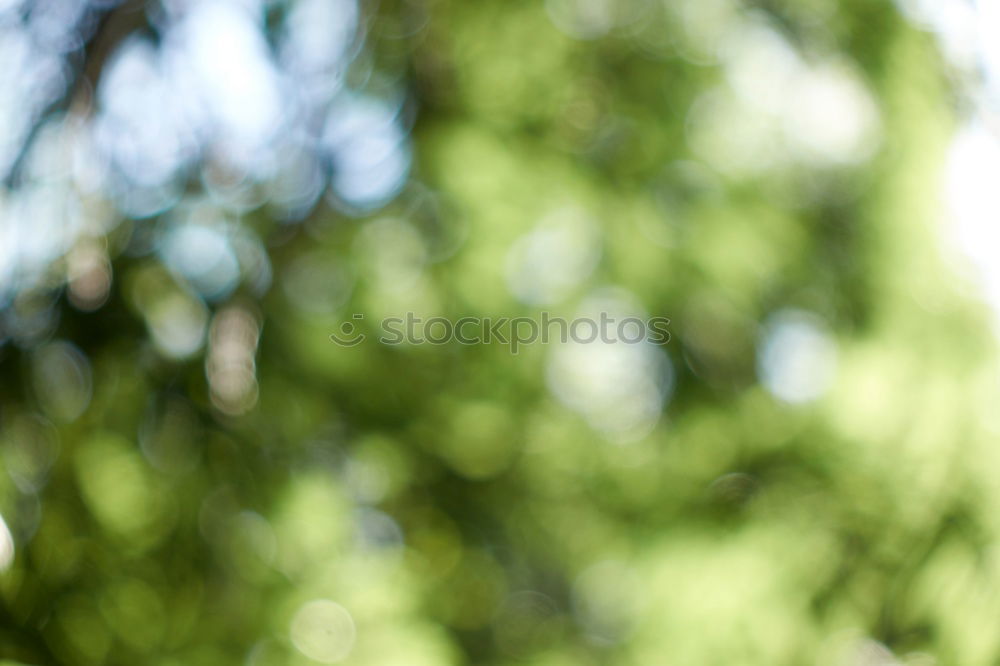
(199, 194)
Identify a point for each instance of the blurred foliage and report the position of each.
(251, 493)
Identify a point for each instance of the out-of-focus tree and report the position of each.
(198, 194)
